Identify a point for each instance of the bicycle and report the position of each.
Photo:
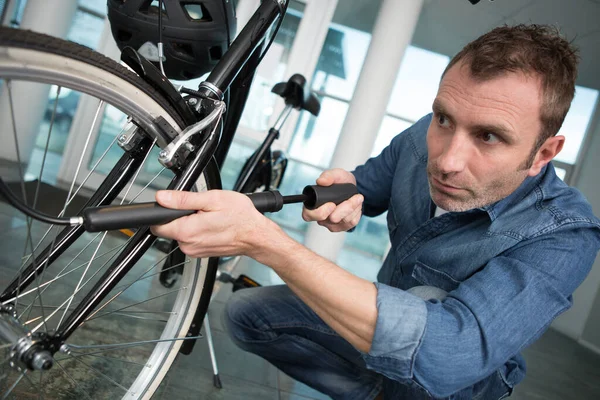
(100, 327)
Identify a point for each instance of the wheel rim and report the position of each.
(182, 297)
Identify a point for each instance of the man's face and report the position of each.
(480, 138)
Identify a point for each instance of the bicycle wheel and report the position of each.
(116, 352)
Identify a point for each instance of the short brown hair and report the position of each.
(532, 49)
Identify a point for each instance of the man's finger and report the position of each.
(346, 208)
(180, 200)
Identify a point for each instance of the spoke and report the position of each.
(73, 295)
(33, 385)
(108, 358)
(76, 192)
(148, 184)
(91, 317)
(109, 347)
(77, 387)
(65, 274)
(87, 142)
(31, 321)
(100, 373)
(94, 168)
(13, 386)
(37, 189)
(81, 279)
(29, 239)
(151, 275)
(21, 174)
(127, 286)
(158, 273)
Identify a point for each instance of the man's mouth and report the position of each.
(444, 186)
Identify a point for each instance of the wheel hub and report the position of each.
(27, 350)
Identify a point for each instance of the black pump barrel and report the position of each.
(110, 218)
(317, 195)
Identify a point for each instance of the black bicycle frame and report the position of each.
(224, 73)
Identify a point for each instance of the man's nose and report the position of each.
(455, 155)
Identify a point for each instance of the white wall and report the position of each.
(582, 321)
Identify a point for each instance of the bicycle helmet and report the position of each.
(195, 33)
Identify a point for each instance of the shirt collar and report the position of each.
(497, 208)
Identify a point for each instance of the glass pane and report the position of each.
(315, 138)
(66, 104)
(340, 61)
(259, 107)
(417, 83)
(297, 176)
(238, 154)
(360, 264)
(390, 127)
(370, 236)
(112, 125)
(561, 173)
(3, 4)
(94, 5)
(576, 123)
(86, 29)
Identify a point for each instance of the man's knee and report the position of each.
(243, 317)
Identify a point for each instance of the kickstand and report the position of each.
(213, 358)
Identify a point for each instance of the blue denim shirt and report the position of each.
(509, 269)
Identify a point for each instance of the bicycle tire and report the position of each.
(25, 55)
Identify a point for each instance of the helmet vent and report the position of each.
(150, 7)
(197, 12)
(216, 52)
(123, 36)
(183, 49)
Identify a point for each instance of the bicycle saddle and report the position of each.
(296, 93)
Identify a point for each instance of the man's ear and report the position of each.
(551, 147)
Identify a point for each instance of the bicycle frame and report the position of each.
(236, 64)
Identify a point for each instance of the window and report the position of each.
(271, 71)
(574, 129)
(412, 96)
(334, 81)
(86, 29)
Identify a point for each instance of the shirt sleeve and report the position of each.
(493, 315)
(374, 178)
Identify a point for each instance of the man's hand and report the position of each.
(226, 223)
(345, 215)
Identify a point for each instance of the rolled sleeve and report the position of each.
(399, 329)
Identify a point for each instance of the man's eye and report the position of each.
(490, 138)
(443, 120)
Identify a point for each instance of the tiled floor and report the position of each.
(559, 368)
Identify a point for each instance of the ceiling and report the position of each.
(445, 26)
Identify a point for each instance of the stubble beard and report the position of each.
(471, 196)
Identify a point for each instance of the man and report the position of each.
(488, 244)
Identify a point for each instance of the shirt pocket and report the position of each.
(429, 276)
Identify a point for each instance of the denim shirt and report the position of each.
(508, 268)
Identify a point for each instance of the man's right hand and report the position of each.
(345, 215)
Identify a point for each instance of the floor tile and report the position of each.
(200, 387)
(231, 361)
